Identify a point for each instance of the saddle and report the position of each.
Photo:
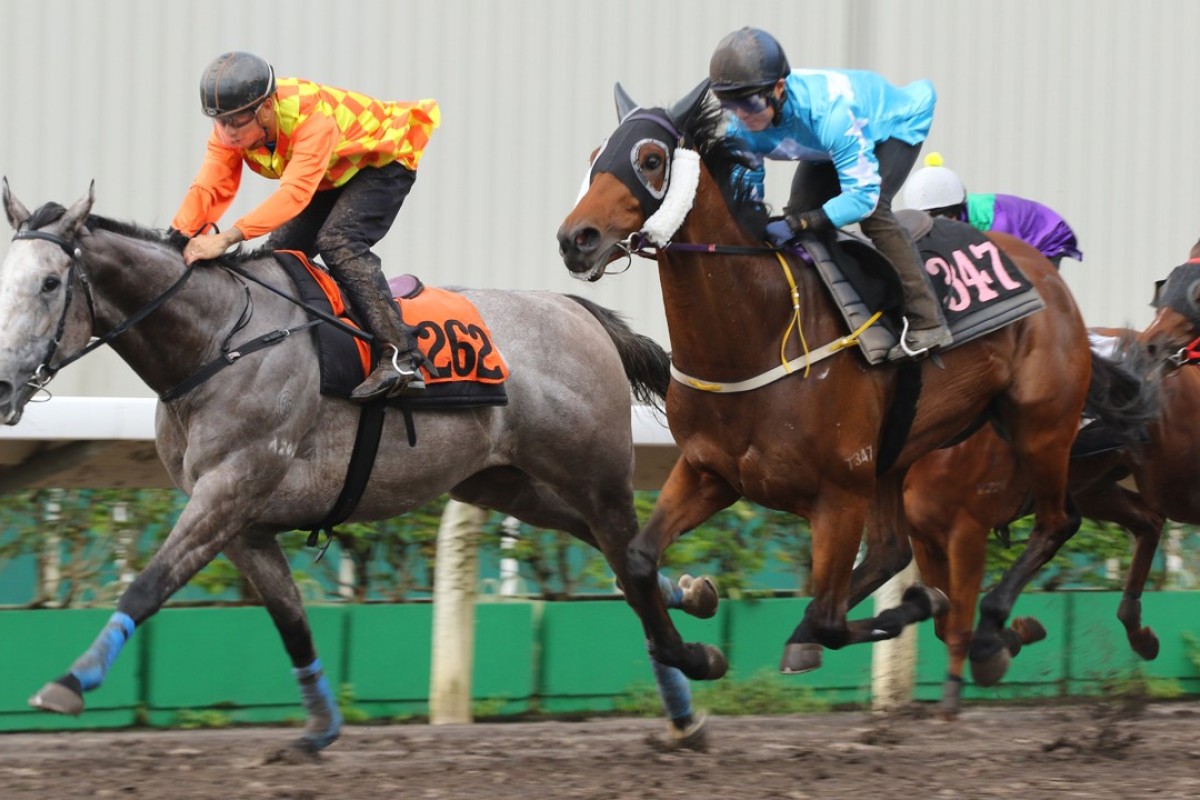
(448, 327)
(980, 288)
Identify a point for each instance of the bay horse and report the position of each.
(955, 497)
(259, 450)
(809, 443)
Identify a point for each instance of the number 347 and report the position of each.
(964, 275)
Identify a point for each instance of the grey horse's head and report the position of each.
(43, 302)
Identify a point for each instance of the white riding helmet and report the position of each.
(934, 186)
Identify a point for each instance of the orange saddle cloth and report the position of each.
(450, 331)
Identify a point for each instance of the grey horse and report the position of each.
(259, 450)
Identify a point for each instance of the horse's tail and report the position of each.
(647, 366)
(1125, 392)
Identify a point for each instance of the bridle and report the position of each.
(46, 370)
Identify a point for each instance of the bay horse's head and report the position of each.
(643, 180)
(45, 302)
(1174, 334)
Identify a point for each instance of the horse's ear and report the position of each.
(77, 213)
(1154, 301)
(689, 104)
(625, 103)
(1195, 251)
(14, 208)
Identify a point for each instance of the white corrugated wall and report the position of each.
(1086, 105)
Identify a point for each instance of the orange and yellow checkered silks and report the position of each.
(373, 132)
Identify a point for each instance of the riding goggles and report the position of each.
(238, 130)
(746, 104)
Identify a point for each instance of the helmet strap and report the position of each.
(776, 103)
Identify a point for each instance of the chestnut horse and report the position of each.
(956, 496)
(808, 444)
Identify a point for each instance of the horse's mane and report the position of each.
(171, 239)
(132, 230)
(705, 128)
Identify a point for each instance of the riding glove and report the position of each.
(779, 232)
(815, 221)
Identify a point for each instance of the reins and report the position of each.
(229, 353)
(640, 245)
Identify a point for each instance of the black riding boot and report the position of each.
(396, 355)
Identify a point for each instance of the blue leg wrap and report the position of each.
(324, 718)
(671, 593)
(91, 667)
(674, 690)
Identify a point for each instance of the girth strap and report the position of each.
(358, 472)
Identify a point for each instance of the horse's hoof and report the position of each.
(693, 736)
(1029, 629)
(799, 658)
(988, 671)
(718, 665)
(59, 699)
(700, 597)
(932, 602)
(316, 742)
(1145, 643)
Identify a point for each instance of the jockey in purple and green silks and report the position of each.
(936, 189)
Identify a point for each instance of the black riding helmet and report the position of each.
(235, 82)
(746, 62)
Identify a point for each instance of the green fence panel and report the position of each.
(1100, 655)
(1039, 670)
(505, 643)
(41, 645)
(593, 652)
(231, 659)
(390, 648)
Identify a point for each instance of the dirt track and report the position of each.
(1087, 751)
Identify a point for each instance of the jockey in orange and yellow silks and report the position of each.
(345, 162)
(324, 136)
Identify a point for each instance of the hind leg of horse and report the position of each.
(262, 562)
(198, 536)
(1055, 521)
(1117, 504)
(513, 492)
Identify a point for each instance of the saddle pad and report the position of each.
(980, 287)
(450, 332)
(860, 282)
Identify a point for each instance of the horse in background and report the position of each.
(662, 184)
(260, 450)
(956, 496)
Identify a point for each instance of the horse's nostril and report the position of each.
(583, 240)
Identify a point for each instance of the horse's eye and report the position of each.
(652, 162)
(51, 284)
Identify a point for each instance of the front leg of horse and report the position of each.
(195, 540)
(695, 660)
(886, 554)
(688, 498)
